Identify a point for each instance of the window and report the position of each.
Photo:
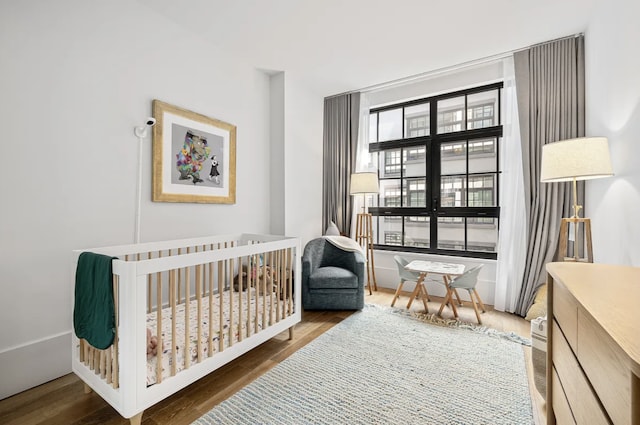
(439, 189)
(392, 163)
(416, 120)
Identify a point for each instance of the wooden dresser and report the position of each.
(593, 344)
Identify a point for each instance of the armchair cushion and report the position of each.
(333, 278)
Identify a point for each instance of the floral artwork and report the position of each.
(190, 158)
(193, 157)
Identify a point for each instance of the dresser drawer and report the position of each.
(565, 311)
(584, 405)
(604, 364)
(561, 408)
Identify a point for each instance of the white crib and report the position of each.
(183, 291)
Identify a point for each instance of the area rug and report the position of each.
(382, 366)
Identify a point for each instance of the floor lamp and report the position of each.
(363, 183)
(584, 158)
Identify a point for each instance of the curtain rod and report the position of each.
(457, 67)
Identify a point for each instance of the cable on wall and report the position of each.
(141, 133)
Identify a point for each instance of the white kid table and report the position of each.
(447, 270)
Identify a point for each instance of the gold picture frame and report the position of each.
(194, 157)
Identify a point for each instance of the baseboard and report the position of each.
(34, 363)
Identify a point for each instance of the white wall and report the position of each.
(276, 157)
(303, 160)
(76, 77)
(613, 110)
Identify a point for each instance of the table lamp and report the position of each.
(364, 183)
(571, 160)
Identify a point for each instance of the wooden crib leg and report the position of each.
(87, 389)
(137, 419)
(290, 333)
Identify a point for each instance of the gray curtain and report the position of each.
(341, 116)
(550, 92)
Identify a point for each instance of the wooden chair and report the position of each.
(405, 275)
(468, 281)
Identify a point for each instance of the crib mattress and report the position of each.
(248, 311)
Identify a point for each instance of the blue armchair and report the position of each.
(332, 278)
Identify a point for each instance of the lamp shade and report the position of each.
(364, 183)
(583, 159)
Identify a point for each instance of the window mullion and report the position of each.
(434, 176)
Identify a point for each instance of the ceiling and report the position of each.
(341, 45)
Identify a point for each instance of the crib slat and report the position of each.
(263, 292)
(290, 280)
(179, 280)
(256, 284)
(82, 351)
(248, 300)
(278, 279)
(226, 269)
(103, 364)
(187, 299)
(210, 339)
(199, 303)
(272, 277)
(240, 321)
(220, 307)
(95, 360)
(109, 366)
(172, 301)
(269, 286)
(282, 281)
(204, 275)
(159, 323)
(283, 284)
(231, 329)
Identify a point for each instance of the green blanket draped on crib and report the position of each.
(93, 312)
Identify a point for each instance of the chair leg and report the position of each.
(444, 302)
(452, 303)
(449, 300)
(413, 296)
(416, 290)
(446, 279)
(455, 291)
(397, 294)
(484, 310)
(424, 296)
(475, 307)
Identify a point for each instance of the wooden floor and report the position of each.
(63, 401)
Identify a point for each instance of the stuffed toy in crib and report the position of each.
(152, 344)
(272, 279)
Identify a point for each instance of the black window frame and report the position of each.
(432, 145)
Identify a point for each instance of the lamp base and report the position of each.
(580, 229)
(364, 237)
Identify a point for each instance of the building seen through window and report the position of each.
(439, 192)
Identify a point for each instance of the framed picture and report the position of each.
(194, 157)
